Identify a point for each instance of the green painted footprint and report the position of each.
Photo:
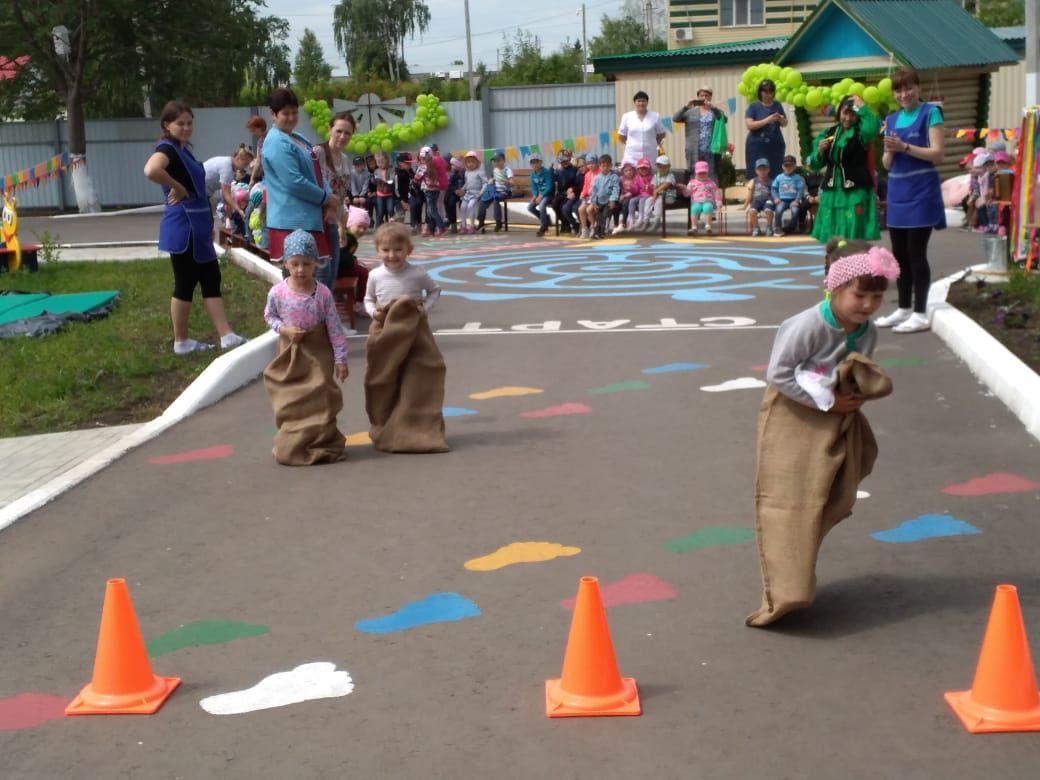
(202, 632)
(712, 536)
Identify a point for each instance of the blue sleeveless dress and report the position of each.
(914, 192)
(190, 222)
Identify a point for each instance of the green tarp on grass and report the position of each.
(20, 306)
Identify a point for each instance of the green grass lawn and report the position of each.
(120, 368)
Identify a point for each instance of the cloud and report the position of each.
(318, 680)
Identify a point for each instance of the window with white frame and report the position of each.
(740, 13)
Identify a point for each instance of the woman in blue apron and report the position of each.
(913, 147)
(186, 230)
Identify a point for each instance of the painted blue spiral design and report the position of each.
(682, 272)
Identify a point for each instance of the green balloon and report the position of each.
(794, 79)
(421, 100)
(417, 126)
(799, 100)
(774, 72)
(361, 149)
(813, 99)
(872, 95)
(407, 136)
(442, 121)
(386, 144)
(885, 87)
(430, 127)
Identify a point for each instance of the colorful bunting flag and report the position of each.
(44, 171)
(604, 139)
(667, 122)
(731, 105)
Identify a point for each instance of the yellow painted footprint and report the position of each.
(520, 552)
(502, 392)
(357, 439)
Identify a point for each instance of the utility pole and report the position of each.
(469, 58)
(584, 49)
(648, 19)
(1032, 34)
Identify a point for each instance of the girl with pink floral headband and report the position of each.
(814, 445)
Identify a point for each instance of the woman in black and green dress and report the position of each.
(848, 203)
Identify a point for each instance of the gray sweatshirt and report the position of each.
(806, 354)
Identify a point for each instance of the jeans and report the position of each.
(569, 213)
(434, 220)
(499, 197)
(326, 274)
(540, 210)
(778, 215)
(384, 209)
(415, 207)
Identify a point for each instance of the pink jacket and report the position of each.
(704, 192)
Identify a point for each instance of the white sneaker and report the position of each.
(584, 233)
(915, 323)
(895, 318)
(232, 340)
(637, 223)
(650, 225)
(618, 229)
(190, 346)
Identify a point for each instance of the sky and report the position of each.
(552, 21)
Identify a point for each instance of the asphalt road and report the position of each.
(851, 688)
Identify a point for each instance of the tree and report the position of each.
(622, 36)
(310, 67)
(103, 57)
(1002, 13)
(524, 63)
(370, 34)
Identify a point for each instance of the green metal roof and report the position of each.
(732, 53)
(924, 34)
(1015, 37)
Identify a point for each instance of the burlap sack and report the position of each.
(306, 400)
(809, 466)
(404, 382)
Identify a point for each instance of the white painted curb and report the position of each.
(220, 378)
(1007, 377)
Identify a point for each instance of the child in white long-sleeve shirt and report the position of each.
(397, 277)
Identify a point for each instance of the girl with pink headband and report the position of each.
(814, 445)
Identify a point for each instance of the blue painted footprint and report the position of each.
(435, 608)
(926, 527)
(457, 411)
(668, 368)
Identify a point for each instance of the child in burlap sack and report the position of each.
(814, 444)
(405, 372)
(312, 357)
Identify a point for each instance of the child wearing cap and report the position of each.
(814, 444)
(603, 196)
(705, 197)
(566, 186)
(501, 189)
(453, 195)
(787, 191)
(474, 182)
(312, 357)
(663, 193)
(760, 198)
(434, 185)
(591, 172)
(640, 203)
(541, 193)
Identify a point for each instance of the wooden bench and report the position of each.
(233, 240)
(30, 258)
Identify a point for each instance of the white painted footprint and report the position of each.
(318, 680)
(743, 383)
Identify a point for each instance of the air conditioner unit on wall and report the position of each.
(684, 34)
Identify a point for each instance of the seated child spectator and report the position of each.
(603, 197)
(565, 177)
(474, 182)
(541, 193)
(456, 188)
(628, 194)
(760, 197)
(787, 191)
(584, 219)
(257, 216)
(705, 197)
(350, 271)
(502, 189)
(360, 179)
(976, 178)
(663, 193)
(312, 357)
(639, 205)
(404, 379)
(813, 181)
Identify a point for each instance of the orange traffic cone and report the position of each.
(123, 681)
(591, 683)
(1004, 696)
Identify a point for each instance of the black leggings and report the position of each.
(187, 273)
(910, 247)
